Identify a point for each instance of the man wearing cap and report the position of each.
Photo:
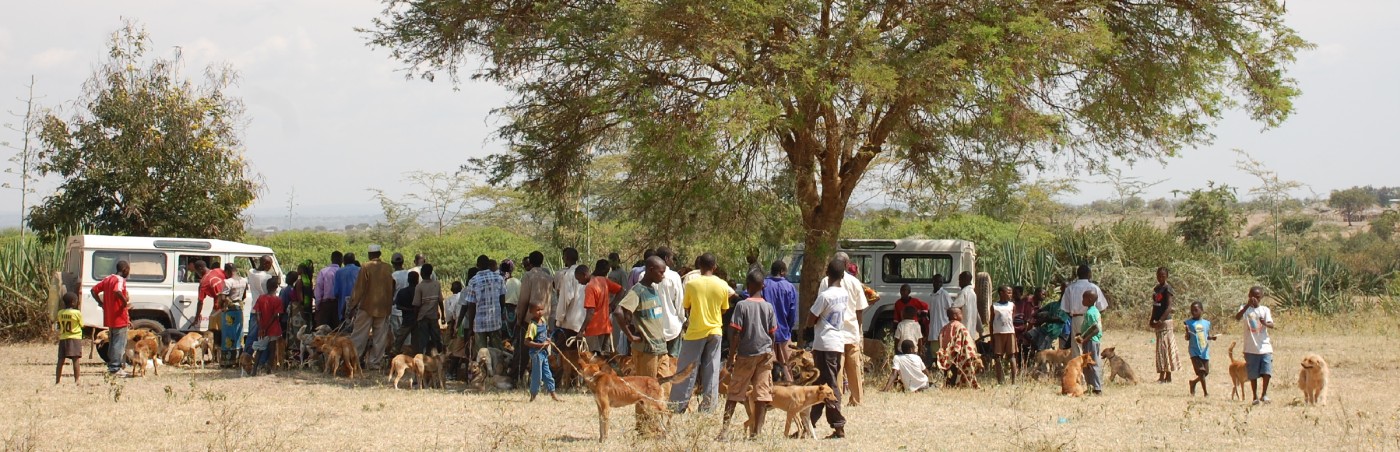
(400, 282)
(370, 303)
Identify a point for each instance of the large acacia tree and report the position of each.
(824, 87)
(149, 152)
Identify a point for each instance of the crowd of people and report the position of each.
(668, 318)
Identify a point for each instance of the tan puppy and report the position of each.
(1238, 375)
(1051, 361)
(1070, 383)
(430, 371)
(189, 346)
(1117, 367)
(1312, 379)
(140, 352)
(611, 391)
(797, 402)
(406, 364)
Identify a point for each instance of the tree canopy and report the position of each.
(149, 153)
(726, 92)
(1351, 202)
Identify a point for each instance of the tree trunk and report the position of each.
(822, 227)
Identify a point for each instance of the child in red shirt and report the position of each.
(597, 326)
(268, 312)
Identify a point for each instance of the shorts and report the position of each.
(1201, 366)
(751, 371)
(600, 344)
(1257, 365)
(70, 348)
(1004, 343)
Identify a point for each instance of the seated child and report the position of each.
(908, 369)
(957, 354)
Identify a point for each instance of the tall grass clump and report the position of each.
(28, 297)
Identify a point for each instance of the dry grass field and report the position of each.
(216, 410)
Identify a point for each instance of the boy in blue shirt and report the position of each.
(1197, 333)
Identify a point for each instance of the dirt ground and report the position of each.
(217, 410)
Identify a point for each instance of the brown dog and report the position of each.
(430, 371)
(1312, 379)
(797, 402)
(406, 364)
(1117, 367)
(1074, 372)
(189, 346)
(1238, 375)
(802, 368)
(147, 349)
(1051, 361)
(611, 391)
(340, 353)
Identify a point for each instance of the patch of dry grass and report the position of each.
(217, 411)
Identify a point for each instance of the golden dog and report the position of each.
(1074, 372)
(1238, 375)
(405, 364)
(611, 391)
(340, 352)
(1312, 379)
(797, 402)
(147, 349)
(430, 371)
(1051, 361)
(1117, 367)
(189, 346)
(802, 368)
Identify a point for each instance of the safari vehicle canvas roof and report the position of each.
(903, 245)
(164, 243)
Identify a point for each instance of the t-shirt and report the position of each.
(1256, 335)
(426, 297)
(831, 308)
(513, 291)
(707, 297)
(1091, 317)
(967, 300)
(753, 320)
(597, 296)
(1198, 330)
(911, 371)
(908, 330)
(237, 289)
(1162, 302)
(211, 285)
(648, 315)
(1003, 316)
(114, 310)
(268, 307)
(70, 324)
(938, 313)
(855, 291)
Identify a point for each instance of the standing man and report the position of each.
(535, 288)
(1257, 320)
(781, 293)
(568, 305)
(485, 292)
(938, 305)
(257, 278)
(373, 293)
(706, 299)
(324, 291)
(642, 321)
(395, 314)
(967, 300)
(855, 377)
(618, 275)
(671, 292)
(345, 279)
(828, 343)
(597, 304)
(112, 297)
(1072, 302)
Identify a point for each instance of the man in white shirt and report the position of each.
(1257, 320)
(568, 299)
(400, 276)
(938, 305)
(671, 291)
(829, 341)
(856, 290)
(967, 300)
(1072, 302)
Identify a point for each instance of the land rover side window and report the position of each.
(145, 267)
(187, 276)
(916, 268)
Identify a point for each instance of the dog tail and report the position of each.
(678, 375)
(1232, 351)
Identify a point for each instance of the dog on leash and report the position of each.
(139, 353)
(611, 391)
(405, 364)
(797, 402)
(430, 371)
(1071, 383)
(191, 345)
(340, 353)
(1051, 361)
(1117, 367)
(1312, 379)
(1238, 375)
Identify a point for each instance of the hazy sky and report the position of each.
(330, 117)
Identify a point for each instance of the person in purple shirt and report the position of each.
(781, 293)
(324, 291)
(345, 283)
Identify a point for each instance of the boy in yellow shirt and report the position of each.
(70, 336)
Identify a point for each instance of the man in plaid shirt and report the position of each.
(485, 293)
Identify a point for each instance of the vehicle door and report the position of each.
(186, 294)
(149, 281)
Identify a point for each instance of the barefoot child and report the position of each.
(908, 369)
(70, 336)
(751, 354)
(1197, 333)
(1004, 334)
(1258, 351)
(537, 339)
(1090, 338)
